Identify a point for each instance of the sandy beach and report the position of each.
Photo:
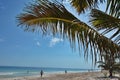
(68, 76)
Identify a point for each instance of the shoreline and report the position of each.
(68, 76)
(28, 73)
(46, 75)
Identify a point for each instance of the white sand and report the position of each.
(68, 76)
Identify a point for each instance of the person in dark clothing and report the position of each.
(41, 73)
(65, 71)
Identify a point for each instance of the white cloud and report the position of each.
(54, 41)
(38, 43)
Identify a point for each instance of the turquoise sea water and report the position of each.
(11, 71)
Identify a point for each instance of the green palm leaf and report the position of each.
(103, 21)
(82, 5)
(102, 66)
(53, 17)
(113, 7)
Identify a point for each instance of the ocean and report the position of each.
(13, 71)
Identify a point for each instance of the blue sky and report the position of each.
(20, 48)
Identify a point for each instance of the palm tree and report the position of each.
(107, 23)
(112, 6)
(101, 20)
(109, 63)
(50, 16)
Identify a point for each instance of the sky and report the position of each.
(20, 48)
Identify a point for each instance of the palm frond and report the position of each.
(103, 21)
(113, 7)
(54, 17)
(100, 62)
(82, 5)
(102, 66)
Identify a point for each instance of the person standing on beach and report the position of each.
(41, 73)
(27, 72)
(65, 71)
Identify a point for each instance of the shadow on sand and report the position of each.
(108, 78)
